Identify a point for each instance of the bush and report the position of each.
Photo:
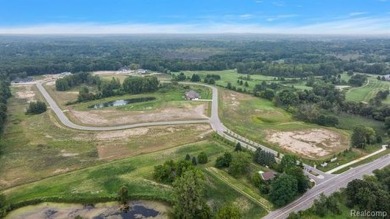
(36, 107)
(202, 158)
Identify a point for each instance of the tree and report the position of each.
(181, 77)
(188, 196)
(264, 158)
(202, 158)
(194, 162)
(287, 161)
(224, 160)
(287, 98)
(283, 190)
(37, 107)
(362, 136)
(238, 147)
(195, 78)
(123, 194)
(240, 163)
(188, 157)
(228, 212)
(303, 181)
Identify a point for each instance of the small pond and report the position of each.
(136, 210)
(121, 102)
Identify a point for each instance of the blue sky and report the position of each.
(195, 16)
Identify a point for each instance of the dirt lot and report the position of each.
(25, 92)
(118, 117)
(312, 143)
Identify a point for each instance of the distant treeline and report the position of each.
(22, 56)
(5, 93)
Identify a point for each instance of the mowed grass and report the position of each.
(34, 147)
(103, 181)
(368, 90)
(232, 76)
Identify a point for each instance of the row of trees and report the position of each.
(74, 80)
(131, 85)
(5, 93)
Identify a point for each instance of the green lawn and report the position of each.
(102, 182)
(368, 91)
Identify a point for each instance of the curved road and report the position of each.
(327, 184)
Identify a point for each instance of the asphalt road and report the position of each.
(325, 183)
(328, 187)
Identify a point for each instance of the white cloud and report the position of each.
(361, 25)
(357, 13)
(281, 16)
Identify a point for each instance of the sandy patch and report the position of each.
(110, 135)
(118, 117)
(61, 170)
(310, 143)
(66, 154)
(26, 93)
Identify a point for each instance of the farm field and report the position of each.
(56, 150)
(102, 182)
(259, 120)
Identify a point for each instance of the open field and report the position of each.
(232, 76)
(108, 75)
(168, 105)
(368, 91)
(35, 147)
(103, 181)
(261, 121)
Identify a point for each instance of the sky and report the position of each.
(195, 16)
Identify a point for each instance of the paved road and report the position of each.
(65, 120)
(328, 187)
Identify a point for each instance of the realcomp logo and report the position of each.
(365, 213)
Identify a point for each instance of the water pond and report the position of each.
(136, 210)
(121, 102)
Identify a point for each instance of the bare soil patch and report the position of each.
(118, 117)
(312, 143)
(25, 92)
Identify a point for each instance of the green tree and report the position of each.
(240, 163)
(202, 158)
(283, 190)
(194, 162)
(228, 212)
(287, 161)
(362, 136)
(188, 157)
(303, 181)
(188, 196)
(37, 107)
(238, 147)
(123, 194)
(195, 78)
(224, 160)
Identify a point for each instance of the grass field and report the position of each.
(368, 91)
(253, 117)
(232, 76)
(103, 181)
(36, 147)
